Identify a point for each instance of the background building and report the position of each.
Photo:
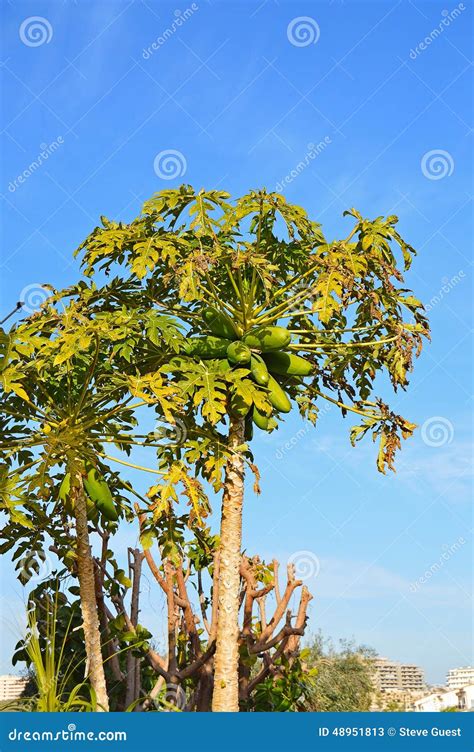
(403, 677)
(461, 699)
(11, 687)
(460, 677)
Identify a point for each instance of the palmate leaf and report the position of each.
(163, 329)
(144, 257)
(147, 538)
(329, 286)
(5, 348)
(203, 383)
(11, 381)
(389, 429)
(209, 393)
(152, 389)
(163, 249)
(208, 455)
(247, 392)
(12, 496)
(69, 345)
(188, 278)
(177, 481)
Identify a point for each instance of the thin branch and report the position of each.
(130, 464)
(172, 659)
(344, 406)
(88, 378)
(215, 596)
(281, 607)
(205, 620)
(12, 313)
(185, 673)
(276, 567)
(321, 345)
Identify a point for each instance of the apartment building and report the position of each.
(460, 677)
(394, 676)
(11, 687)
(460, 699)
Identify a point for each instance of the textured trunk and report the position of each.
(226, 680)
(90, 619)
(133, 663)
(204, 696)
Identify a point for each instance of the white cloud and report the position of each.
(350, 579)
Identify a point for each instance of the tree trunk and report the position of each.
(90, 619)
(133, 663)
(226, 680)
(204, 696)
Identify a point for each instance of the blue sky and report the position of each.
(240, 90)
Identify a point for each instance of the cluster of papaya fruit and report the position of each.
(262, 350)
(99, 497)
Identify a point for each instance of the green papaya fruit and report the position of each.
(259, 370)
(92, 513)
(219, 323)
(260, 420)
(237, 352)
(223, 365)
(207, 347)
(278, 398)
(107, 509)
(99, 492)
(65, 494)
(93, 485)
(65, 497)
(267, 338)
(239, 406)
(264, 422)
(65, 487)
(287, 364)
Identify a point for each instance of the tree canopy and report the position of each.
(215, 316)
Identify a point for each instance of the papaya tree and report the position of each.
(69, 393)
(275, 317)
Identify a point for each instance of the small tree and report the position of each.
(69, 391)
(283, 318)
(344, 679)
